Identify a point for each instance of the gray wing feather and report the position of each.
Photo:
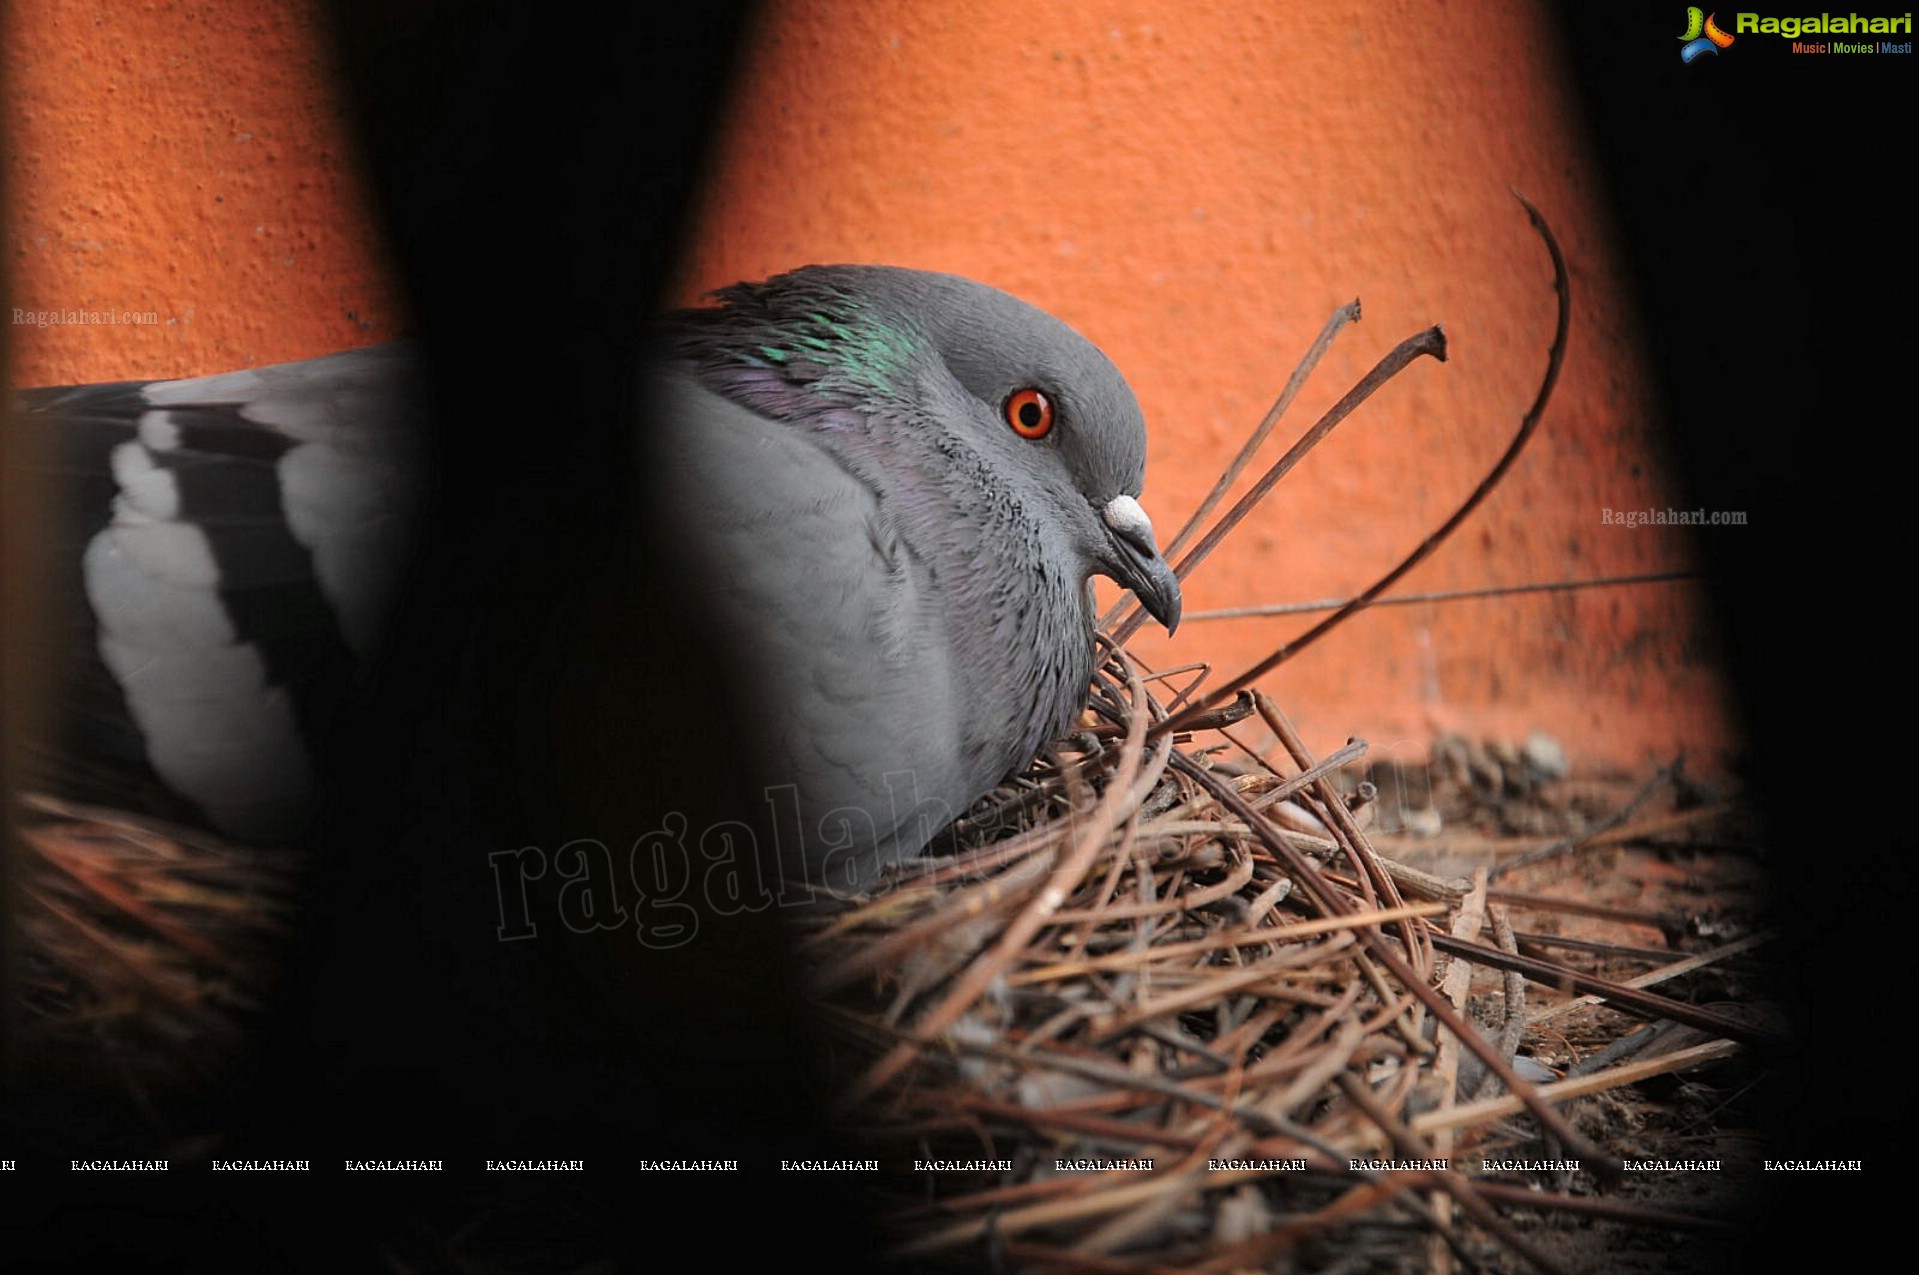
(249, 557)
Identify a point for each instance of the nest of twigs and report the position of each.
(147, 951)
(1166, 1008)
(1161, 1004)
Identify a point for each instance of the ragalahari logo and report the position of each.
(1711, 41)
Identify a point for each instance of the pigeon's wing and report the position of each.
(237, 537)
(850, 675)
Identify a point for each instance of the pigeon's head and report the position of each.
(1003, 380)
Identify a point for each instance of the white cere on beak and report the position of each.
(1128, 520)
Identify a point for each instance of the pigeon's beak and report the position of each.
(1137, 563)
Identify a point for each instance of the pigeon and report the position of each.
(892, 486)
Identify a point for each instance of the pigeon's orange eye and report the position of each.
(1030, 413)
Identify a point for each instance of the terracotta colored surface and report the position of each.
(188, 162)
(1194, 186)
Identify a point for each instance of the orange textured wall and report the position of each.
(1195, 186)
(190, 161)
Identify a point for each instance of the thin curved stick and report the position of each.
(1430, 342)
(1348, 313)
(1527, 428)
